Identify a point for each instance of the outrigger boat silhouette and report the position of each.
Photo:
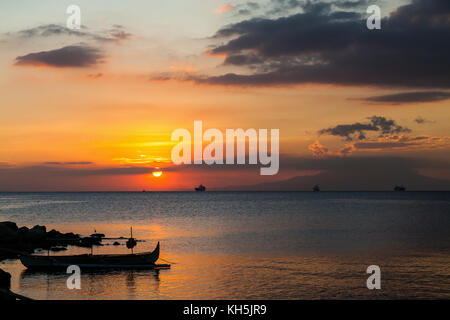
(146, 260)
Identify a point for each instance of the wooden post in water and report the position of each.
(131, 232)
(131, 243)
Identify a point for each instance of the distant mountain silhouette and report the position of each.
(353, 180)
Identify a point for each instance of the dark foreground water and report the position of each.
(248, 245)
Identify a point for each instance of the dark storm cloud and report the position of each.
(381, 125)
(70, 56)
(322, 45)
(411, 97)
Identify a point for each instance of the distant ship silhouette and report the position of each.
(316, 188)
(399, 188)
(200, 188)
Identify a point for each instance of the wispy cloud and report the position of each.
(114, 34)
(404, 142)
(319, 151)
(410, 97)
(68, 163)
(378, 134)
(378, 124)
(78, 56)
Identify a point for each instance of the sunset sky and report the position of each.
(94, 109)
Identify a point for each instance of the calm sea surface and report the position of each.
(248, 245)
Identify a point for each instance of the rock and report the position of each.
(39, 229)
(36, 234)
(56, 238)
(116, 243)
(97, 235)
(9, 233)
(54, 234)
(5, 285)
(10, 225)
(56, 249)
(90, 241)
(71, 236)
(23, 231)
(5, 280)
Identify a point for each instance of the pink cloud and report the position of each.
(224, 8)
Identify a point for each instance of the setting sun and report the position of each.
(157, 173)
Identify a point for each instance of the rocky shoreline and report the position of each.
(16, 241)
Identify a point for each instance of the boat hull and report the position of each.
(118, 261)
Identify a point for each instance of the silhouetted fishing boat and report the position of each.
(200, 188)
(399, 188)
(316, 188)
(119, 261)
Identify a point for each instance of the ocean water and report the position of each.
(247, 245)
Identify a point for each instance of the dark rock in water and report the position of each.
(9, 233)
(56, 238)
(39, 229)
(5, 286)
(37, 233)
(90, 241)
(23, 231)
(15, 241)
(5, 280)
(97, 235)
(56, 249)
(116, 243)
(10, 225)
(54, 234)
(70, 236)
